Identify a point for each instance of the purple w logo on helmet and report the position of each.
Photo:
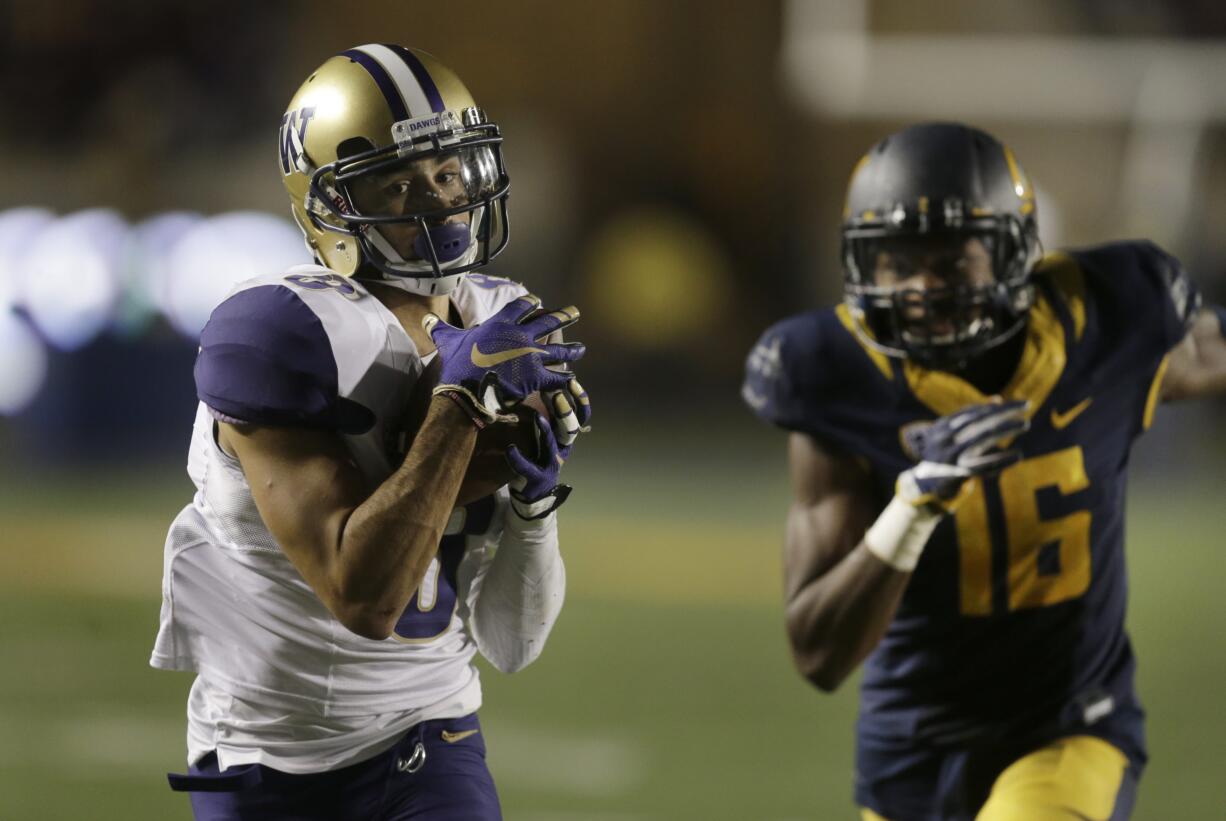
(293, 136)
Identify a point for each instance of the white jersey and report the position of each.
(280, 680)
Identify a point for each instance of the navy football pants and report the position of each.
(424, 777)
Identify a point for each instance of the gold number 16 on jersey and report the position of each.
(1026, 535)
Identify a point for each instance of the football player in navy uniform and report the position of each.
(339, 567)
(959, 437)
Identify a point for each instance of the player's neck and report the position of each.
(992, 371)
(410, 308)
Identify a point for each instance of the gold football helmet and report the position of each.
(392, 170)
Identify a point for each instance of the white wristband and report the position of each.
(900, 533)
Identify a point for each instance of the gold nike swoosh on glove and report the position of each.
(489, 360)
(1060, 421)
(452, 738)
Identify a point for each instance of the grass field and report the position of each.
(666, 691)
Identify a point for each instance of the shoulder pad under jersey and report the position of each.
(784, 373)
(1150, 289)
(480, 296)
(269, 353)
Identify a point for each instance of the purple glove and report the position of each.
(494, 365)
(535, 493)
(956, 447)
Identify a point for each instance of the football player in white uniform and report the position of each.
(338, 568)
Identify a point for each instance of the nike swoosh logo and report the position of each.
(489, 360)
(1060, 421)
(452, 738)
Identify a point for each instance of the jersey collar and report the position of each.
(1042, 362)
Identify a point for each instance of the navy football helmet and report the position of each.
(939, 239)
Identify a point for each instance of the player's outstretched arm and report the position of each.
(1197, 366)
(846, 571)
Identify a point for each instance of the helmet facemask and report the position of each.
(954, 216)
(425, 209)
(938, 296)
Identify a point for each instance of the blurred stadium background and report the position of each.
(677, 171)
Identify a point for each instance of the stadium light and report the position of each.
(68, 281)
(216, 254)
(23, 368)
(18, 227)
(147, 263)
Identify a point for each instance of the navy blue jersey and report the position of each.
(1015, 615)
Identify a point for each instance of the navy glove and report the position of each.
(957, 447)
(495, 365)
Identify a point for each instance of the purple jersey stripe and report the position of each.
(423, 77)
(384, 80)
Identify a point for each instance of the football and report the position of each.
(487, 469)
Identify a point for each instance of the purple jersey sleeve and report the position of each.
(265, 358)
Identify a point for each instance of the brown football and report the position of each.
(487, 469)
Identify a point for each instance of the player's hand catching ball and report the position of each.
(535, 491)
(493, 366)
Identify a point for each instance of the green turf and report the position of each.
(665, 693)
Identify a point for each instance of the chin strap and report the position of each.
(422, 286)
(416, 276)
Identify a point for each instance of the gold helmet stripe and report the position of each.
(407, 82)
